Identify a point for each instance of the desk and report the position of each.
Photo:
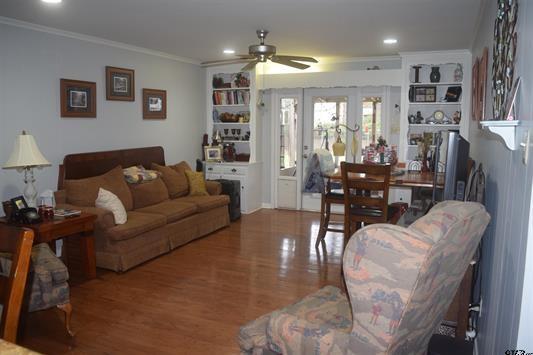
(83, 225)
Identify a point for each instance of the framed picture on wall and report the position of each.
(78, 98)
(482, 84)
(120, 84)
(154, 104)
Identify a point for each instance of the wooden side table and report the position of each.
(83, 225)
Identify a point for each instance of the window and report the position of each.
(371, 129)
(324, 109)
(288, 136)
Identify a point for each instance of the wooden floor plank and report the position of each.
(193, 299)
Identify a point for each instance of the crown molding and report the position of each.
(333, 60)
(92, 39)
(442, 52)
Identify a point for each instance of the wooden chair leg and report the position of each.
(67, 308)
(323, 226)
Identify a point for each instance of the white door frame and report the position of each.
(277, 95)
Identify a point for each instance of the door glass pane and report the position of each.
(288, 137)
(324, 109)
(371, 120)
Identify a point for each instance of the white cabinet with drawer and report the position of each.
(249, 176)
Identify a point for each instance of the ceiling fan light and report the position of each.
(390, 41)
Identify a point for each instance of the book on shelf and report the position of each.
(61, 213)
(231, 97)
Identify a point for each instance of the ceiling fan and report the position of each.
(260, 53)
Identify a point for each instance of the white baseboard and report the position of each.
(266, 205)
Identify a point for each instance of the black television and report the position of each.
(452, 155)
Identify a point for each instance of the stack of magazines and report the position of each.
(64, 213)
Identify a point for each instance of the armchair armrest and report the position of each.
(104, 218)
(213, 187)
(288, 334)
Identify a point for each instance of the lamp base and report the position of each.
(30, 192)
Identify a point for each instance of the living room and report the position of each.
(195, 297)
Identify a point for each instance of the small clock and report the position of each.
(439, 116)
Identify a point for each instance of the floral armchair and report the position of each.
(400, 283)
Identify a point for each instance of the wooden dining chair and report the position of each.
(365, 196)
(329, 197)
(17, 241)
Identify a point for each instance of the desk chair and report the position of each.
(18, 242)
(365, 198)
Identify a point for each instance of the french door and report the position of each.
(322, 107)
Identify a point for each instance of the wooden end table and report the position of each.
(83, 225)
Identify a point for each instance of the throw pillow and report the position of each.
(175, 180)
(138, 174)
(196, 183)
(109, 201)
(181, 167)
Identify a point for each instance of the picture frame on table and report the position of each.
(19, 203)
(154, 104)
(213, 153)
(120, 84)
(78, 98)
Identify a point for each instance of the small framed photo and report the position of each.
(19, 203)
(425, 94)
(213, 154)
(154, 104)
(120, 84)
(78, 98)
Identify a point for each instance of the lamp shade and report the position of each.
(25, 153)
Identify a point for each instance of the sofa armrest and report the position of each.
(213, 187)
(104, 218)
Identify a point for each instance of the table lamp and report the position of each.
(24, 157)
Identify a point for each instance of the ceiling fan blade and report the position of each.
(245, 56)
(289, 63)
(225, 61)
(300, 59)
(250, 65)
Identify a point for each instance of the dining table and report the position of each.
(398, 178)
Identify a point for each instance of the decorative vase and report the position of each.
(434, 77)
(458, 73)
(417, 73)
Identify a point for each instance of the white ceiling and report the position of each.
(201, 29)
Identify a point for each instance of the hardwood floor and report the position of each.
(193, 299)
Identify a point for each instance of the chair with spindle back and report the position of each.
(17, 241)
(365, 196)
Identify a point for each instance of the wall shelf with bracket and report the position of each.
(510, 131)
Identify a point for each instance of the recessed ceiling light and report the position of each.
(390, 41)
(52, 1)
(229, 51)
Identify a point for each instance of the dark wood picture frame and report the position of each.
(425, 94)
(150, 110)
(78, 98)
(120, 84)
(475, 90)
(482, 84)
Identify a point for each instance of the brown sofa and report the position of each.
(157, 222)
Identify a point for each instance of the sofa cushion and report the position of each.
(206, 203)
(149, 193)
(175, 180)
(181, 167)
(83, 192)
(173, 210)
(196, 183)
(138, 223)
